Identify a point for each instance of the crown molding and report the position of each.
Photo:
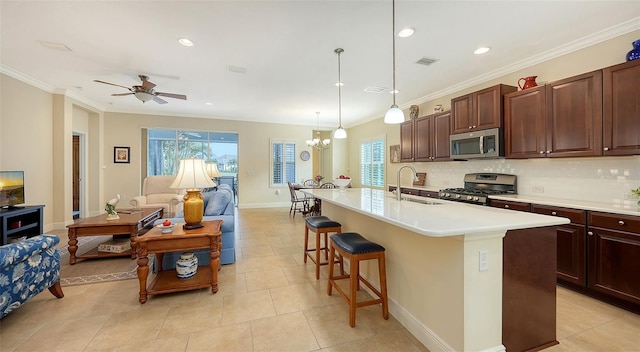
(26, 79)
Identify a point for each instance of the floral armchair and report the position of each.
(27, 268)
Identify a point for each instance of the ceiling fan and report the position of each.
(145, 92)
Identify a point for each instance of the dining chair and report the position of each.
(299, 203)
(328, 185)
(310, 183)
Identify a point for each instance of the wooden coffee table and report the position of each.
(133, 225)
(167, 281)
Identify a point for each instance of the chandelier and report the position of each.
(317, 142)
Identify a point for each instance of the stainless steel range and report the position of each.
(478, 187)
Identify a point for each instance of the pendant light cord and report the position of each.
(339, 93)
(393, 33)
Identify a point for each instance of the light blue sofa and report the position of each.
(220, 202)
(27, 268)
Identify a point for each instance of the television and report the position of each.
(11, 188)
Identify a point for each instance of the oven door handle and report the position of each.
(481, 144)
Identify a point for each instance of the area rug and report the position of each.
(90, 271)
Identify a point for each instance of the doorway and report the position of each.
(76, 175)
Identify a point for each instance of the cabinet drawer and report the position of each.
(505, 204)
(576, 216)
(615, 221)
(411, 191)
(429, 194)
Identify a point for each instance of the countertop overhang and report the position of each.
(440, 218)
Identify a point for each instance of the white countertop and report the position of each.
(617, 208)
(626, 209)
(436, 220)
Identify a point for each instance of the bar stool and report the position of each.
(352, 246)
(321, 225)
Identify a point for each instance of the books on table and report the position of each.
(115, 245)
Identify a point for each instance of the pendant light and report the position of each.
(340, 133)
(394, 114)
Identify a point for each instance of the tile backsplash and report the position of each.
(604, 179)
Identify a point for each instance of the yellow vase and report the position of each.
(193, 209)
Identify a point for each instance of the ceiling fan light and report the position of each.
(143, 96)
(340, 133)
(394, 115)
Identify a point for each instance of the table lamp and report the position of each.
(212, 170)
(192, 176)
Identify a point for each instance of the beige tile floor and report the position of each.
(269, 300)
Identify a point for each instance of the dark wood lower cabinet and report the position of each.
(614, 256)
(529, 289)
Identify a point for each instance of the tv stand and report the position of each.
(17, 222)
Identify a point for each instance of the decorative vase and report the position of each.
(414, 111)
(187, 265)
(528, 82)
(635, 52)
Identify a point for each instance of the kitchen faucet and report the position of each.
(415, 178)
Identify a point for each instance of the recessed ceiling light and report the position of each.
(185, 41)
(482, 50)
(406, 32)
(208, 104)
(394, 91)
(339, 84)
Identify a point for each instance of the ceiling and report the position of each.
(287, 49)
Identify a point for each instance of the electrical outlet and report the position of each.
(484, 260)
(537, 189)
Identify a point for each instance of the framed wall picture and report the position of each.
(394, 153)
(121, 155)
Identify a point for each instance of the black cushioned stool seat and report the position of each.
(355, 248)
(322, 226)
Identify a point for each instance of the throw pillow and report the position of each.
(217, 204)
(206, 197)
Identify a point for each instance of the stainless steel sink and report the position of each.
(422, 201)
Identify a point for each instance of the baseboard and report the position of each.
(264, 205)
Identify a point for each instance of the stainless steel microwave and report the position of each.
(485, 144)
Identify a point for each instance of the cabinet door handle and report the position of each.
(506, 206)
(474, 126)
(620, 222)
(554, 213)
(542, 152)
(606, 148)
(548, 152)
(590, 233)
(470, 127)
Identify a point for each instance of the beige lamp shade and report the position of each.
(192, 176)
(212, 170)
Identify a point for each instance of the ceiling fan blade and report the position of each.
(159, 101)
(112, 84)
(145, 83)
(171, 95)
(121, 94)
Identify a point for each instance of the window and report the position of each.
(372, 163)
(165, 148)
(283, 162)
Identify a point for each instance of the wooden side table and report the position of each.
(133, 225)
(167, 281)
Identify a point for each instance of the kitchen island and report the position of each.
(444, 262)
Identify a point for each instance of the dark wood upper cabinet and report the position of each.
(621, 109)
(479, 110)
(574, 116)
(406, 141)
(431, 142)
(524, 124)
